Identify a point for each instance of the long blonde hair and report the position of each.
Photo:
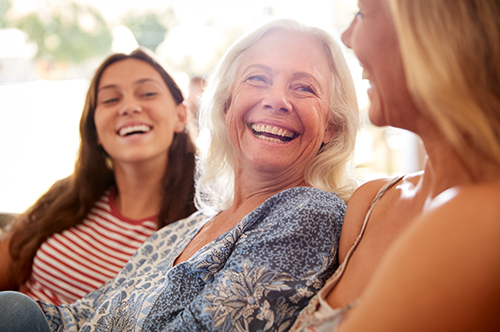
(327, 171)
(451, 52)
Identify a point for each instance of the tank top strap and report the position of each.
(385, 188)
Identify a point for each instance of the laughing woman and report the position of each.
(134, 175)
(281, 107)
(421, 252)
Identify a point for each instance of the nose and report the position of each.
(276, 99)
(130, 106)
(346, 35)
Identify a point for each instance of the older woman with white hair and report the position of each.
(282, 118)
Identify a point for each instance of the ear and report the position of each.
(227, 104)
(329, 133)
(181, 117)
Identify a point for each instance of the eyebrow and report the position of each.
(138, 82)
(266, 68)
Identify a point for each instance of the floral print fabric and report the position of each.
(255, 277)
(318, 316)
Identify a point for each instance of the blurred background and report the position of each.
(49, 50)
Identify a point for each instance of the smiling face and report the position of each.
(277, 117)
(136, 116)
(373, 38)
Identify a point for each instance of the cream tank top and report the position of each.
(318, 316)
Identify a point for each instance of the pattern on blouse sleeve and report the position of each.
(255, 277)
(260, 274)
(115, 308)
(239, 294)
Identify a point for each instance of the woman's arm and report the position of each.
(442, 274)
(263, 272)
(71, 317)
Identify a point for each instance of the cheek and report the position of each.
(98, 120)
(359, 43)
(329, 125)
(98, 128)
(317, 115)
(392, 85)
(244, 97)
(230, 120)
(235, 115)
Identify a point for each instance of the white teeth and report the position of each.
(139, 128)
(260, 128)
(365, 75)
(270, 139)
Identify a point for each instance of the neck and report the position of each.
(444, 168)
(139, 190)
(256, 188)
(251, 189)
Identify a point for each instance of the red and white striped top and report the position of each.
(79, 260)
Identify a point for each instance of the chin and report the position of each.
(375, 109)
(269, 165)
(376, 116)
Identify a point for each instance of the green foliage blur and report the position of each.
(70, 34)
(73, 33)
(147, 29)
(4, 8)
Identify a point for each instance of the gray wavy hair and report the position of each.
(327, 171)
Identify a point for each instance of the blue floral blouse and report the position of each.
(255, 277)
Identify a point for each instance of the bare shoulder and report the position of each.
(445, 264)
(473, 213)
(467, 217)
(357, 207)
(484, 194)
(457, 241)
(475, 205)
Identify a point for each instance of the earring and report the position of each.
(109, 163)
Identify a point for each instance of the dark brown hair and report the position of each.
(69, 200)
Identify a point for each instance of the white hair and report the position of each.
(327, 171)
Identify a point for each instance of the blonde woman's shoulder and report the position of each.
(357, 207)
(470, 212)
(478, 204)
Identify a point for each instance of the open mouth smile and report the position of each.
(365, 75)
(132, 130)
(272, 133)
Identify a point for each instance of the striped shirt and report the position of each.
(82, 258)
